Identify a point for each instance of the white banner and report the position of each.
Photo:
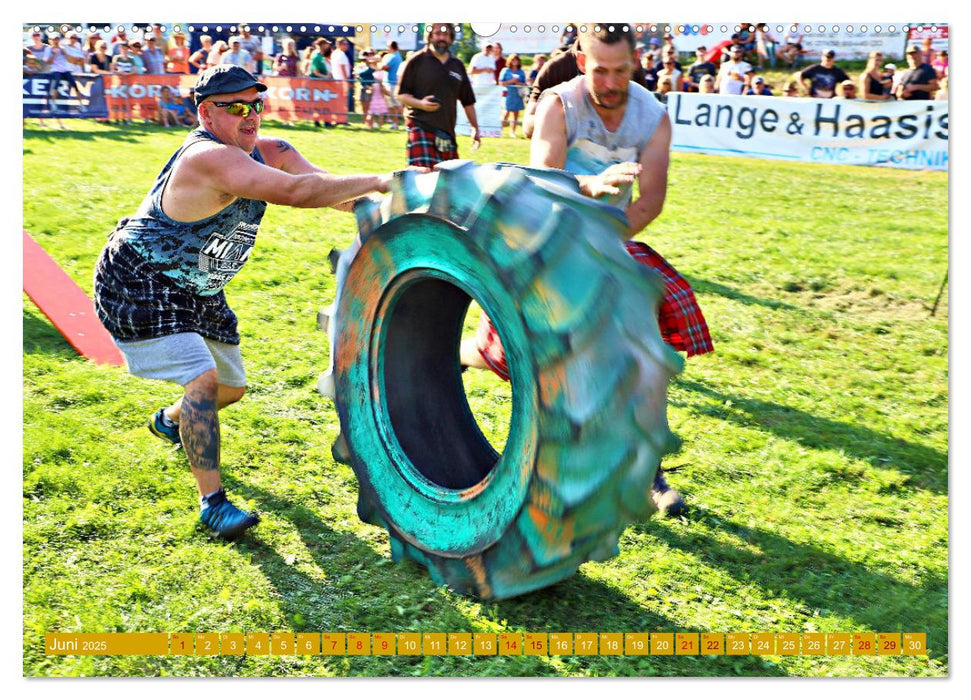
(909, 134)
(489, 108)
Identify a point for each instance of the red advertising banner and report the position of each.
(287, 99)
(292, 99)
(137, 96)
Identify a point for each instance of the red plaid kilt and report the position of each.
(421, 147)
(682, 324)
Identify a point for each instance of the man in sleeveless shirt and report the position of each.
(159, 281)
(609, 131)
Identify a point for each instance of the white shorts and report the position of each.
(182, 357)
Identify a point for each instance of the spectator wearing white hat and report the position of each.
(237, 55)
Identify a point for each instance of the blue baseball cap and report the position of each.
(225, 78)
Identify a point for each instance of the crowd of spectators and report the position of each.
(733, 67)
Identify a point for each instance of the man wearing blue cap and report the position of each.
(159, 281)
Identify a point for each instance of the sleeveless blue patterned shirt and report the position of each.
(200, 257)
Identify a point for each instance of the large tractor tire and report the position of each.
(589, 374)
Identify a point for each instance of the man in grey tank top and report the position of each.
(159, 281)
(609, 132)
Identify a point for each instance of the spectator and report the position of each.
(765, 45)
(253, 45)
(153, 57)
(927, 53)
(135, 51)
(199, 60)
(733, 76)
(91, 44)
(177, 55)
(378, 106)
(667, 44)
(99, 62)
(365, 76)
(569, 35)
(513, 77)
(63, 62)
(32, 65)
(791, 89)
(123, 63)
(940, 64)
(668, 52)
(822, 78)
(942, 93)
(791, 47)
(846, 90)
(482, 67)
(653, 52)
(340, 67)
(700, 68)
(874, 84)
(319, 65)
(171, 111)
(215, 57)
(539, 60)
(500, 59)
(919, 82)
(392, 64)
(650, 71)
(746, 39)
(759, 87)
(707, 84)
(120, 37)
(890, 73)
(670, 72)
(429, 90)
(75, 50)
(40, 51)
(237, 55)
(287, 64)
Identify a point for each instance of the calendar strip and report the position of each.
(486, 644)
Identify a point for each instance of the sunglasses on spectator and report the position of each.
(241, 109)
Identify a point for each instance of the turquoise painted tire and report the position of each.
(588, 368)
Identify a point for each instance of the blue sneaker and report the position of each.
(224, 519)
(160, 429)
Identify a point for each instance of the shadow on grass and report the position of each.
(703, 286)
(925, 466)
(821, 581)
(40, 336)
(365, 592)
(132, 133)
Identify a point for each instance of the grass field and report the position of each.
(815, 437)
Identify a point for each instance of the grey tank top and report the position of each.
(591, 148)
(198, 256)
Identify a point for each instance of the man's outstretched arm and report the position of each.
(652, 181)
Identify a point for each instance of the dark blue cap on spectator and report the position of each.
(225, 78)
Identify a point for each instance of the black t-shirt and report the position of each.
(423, 75)
(921, 75)
(700, 70)
(824, 80)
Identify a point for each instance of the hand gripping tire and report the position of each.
(588, 367)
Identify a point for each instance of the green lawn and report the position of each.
(814, 460)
